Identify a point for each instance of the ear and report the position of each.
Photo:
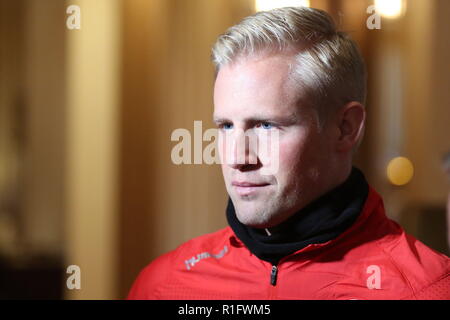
(350, 121)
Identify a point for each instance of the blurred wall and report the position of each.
(11, 110)
(409, 109)
(31, 114)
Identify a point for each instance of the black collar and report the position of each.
(322, 220)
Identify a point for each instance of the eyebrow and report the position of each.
(292, 118)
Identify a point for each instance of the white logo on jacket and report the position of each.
(192, 261)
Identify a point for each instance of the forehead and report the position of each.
(256, 85)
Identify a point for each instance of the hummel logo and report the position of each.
(192, 261)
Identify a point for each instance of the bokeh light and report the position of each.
(400, 171)
(390, 8)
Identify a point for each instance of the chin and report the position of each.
(254, 220)
(256, 214)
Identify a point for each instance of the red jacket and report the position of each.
(373, 259)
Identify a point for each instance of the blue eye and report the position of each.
(227, 126)
(266, 125)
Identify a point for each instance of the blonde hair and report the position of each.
(328, 66)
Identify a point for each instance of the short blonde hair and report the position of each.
(328, 65)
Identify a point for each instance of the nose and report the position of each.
(241, 150)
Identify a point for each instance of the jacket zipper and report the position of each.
(273, 275)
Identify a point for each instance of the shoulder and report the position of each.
(425, 271)
(183, 257)
(381, 255)
(407, 267)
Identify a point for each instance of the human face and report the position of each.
(256, 94)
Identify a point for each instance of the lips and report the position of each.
(245, 188)
(248, 184)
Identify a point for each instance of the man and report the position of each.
(314, 228)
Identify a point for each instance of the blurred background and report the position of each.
(86, 116)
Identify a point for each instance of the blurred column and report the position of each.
(93, 89)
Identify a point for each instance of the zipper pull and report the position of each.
(273, 275)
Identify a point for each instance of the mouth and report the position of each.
(245, 188)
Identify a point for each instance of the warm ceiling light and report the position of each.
(390, 8)
(264, 5)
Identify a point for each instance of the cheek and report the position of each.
(288, 156)
(292, 152)
(299, 155)
(224, 168)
